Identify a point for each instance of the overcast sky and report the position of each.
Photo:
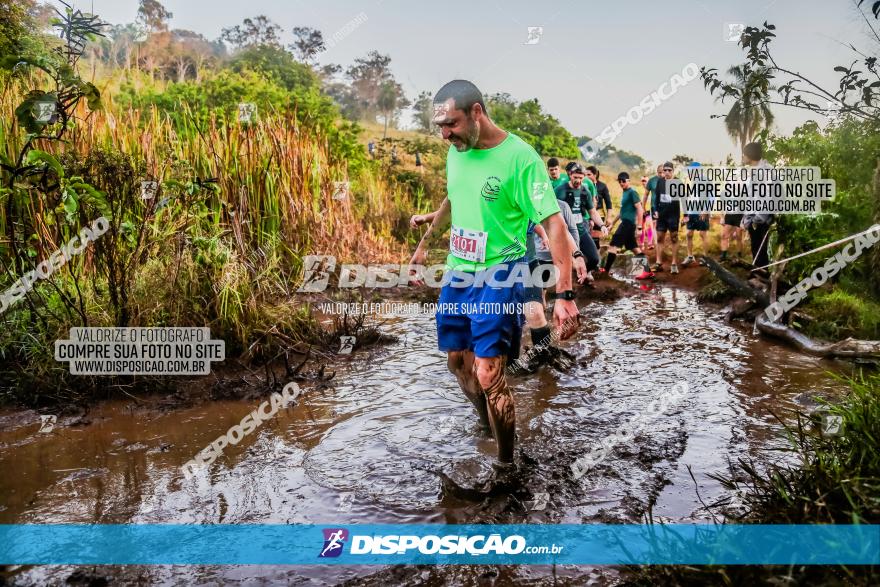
(593, 62)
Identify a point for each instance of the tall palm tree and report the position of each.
(750, 113)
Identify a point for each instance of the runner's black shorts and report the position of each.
(533, 292)
(625, 235)
(696, 223)
(732, 219)
(668, 223)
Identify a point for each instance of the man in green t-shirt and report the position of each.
(631, 214)
(557, 177)
(496, 183)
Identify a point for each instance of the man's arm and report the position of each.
(594, 214)
(565, 312)
(417, 220)
(431, 238)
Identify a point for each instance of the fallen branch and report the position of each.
(850, 347)
(737, 284)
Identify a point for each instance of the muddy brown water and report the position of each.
(356, 452)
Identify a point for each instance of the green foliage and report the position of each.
(848, 153)
(220, 93)
(278, 65)
(840, 314)
(526, 119)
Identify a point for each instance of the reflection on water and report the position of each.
(356, 452)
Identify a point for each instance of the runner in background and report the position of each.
(646, 230)
(578, 199)
(730, 227)
(696, 223)
(758, 224)
(631, 213)
(667, 218)
(540, 261)
(557, 178)
(603, 201)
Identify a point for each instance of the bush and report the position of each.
(840, 314)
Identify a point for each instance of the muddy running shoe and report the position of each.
(552, 356)
(688, 260)
(645, 275)
(656, 267)
(674, 269)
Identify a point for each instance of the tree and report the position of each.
(18, 28)
(750, 113)
(309, 42)
(367, 76)
(153, 16)
(530, 123)
(390, 101)
(124, 39)
(857, 94)
(253, 32)
(423, 108)
(682, 159)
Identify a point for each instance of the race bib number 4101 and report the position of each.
(469, 245)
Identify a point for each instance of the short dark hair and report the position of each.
(552, 162)
(464, 95)
(594, 170)
(753, 151)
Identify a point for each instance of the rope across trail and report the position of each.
(823, 247)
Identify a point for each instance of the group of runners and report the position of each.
(505, 211)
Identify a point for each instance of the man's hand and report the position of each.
(604, 230)
(416, 220)
(416, 266)
(566, 318)
(581, 268)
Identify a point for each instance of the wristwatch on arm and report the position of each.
(564, 295)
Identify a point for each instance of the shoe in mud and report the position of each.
(656, 267)
(556, 358)
(674, 269)
(645, 275)
(688, 260)
(524, 365)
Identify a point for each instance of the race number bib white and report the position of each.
(469, 245)
(665, 199)
(578, 218)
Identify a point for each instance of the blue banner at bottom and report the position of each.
(383, 544)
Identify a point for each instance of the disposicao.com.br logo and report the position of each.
(449, 544)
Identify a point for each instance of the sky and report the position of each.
(592, 62)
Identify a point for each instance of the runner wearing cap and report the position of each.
(667, 218)
(578, 199)
(631, 213)
(496, 183)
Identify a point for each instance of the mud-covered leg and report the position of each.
(502, 416)
(461, 364)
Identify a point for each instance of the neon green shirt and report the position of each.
(493, 193)
(563, 177)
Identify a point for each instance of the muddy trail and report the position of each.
(368, 448)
